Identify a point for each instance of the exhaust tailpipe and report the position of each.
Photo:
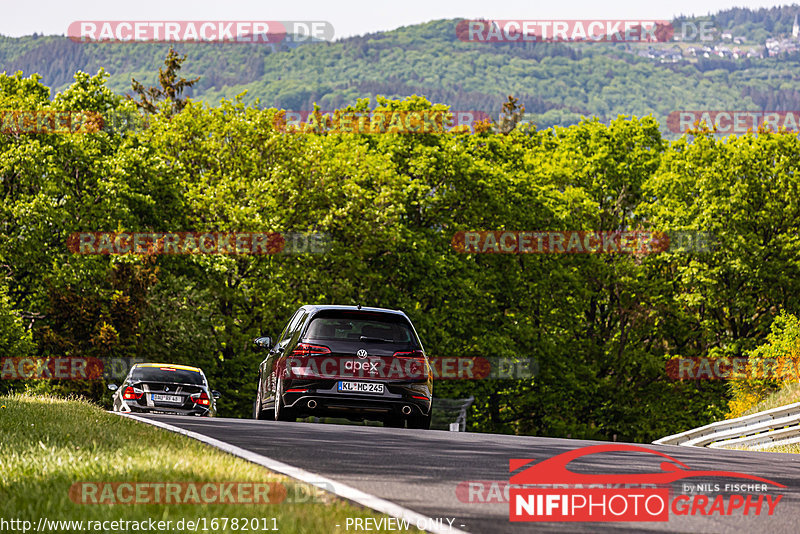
(312, 404)
(406, 410)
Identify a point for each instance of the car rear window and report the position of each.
(339, 325)
(163, 374)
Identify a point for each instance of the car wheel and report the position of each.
(393, 421)
(258, 412)
(281, 412)
(422, 421)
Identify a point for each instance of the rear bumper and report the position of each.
(326, 400)
(198, 411)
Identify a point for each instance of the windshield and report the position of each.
(167, 374)
(364, 326)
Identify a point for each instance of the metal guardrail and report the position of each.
(450, 414)
(762, 430)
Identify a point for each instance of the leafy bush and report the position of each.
(773, 365)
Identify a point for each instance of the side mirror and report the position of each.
(113, 387)
(263, 342)
(216, 394)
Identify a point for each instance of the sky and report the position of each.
(348, 17)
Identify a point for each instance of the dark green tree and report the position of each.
(171, 87)
(510, 116)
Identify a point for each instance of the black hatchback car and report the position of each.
(165, 388)
(346, 361)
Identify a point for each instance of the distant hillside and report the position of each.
(755, 24)
(556, 82)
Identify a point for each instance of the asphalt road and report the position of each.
(421, 470)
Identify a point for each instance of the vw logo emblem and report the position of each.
(166, 388)
(361, 353)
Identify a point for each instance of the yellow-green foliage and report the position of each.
(775, 364)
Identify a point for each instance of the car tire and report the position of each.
(422, 422)
(258, 412)
(281, 412)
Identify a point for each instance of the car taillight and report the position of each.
(415, 363)
(414, 355)
(307, 349)
(131, 393)
(201, 398)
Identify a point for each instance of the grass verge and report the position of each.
(49, 444)
(792, 449)
(789, 394)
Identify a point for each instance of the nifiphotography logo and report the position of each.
(549, 491)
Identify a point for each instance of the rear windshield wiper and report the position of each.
(379, 339)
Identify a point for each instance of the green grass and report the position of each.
(48, 444)
(792, 449)
(789, 394)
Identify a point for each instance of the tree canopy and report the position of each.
(601, 327)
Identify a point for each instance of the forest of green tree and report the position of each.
(557, 83)
(601, 327)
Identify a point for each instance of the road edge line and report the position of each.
(337, 488)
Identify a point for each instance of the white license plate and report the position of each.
(167, 398)
(361, 387)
